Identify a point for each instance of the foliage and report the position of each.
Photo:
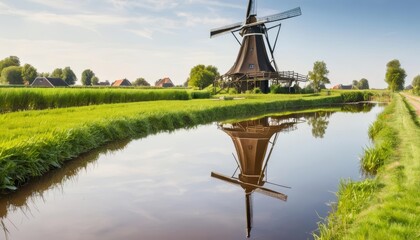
(29, 74)
(141, 82)
(319, 75)
(356, 96)
(202, 76)
(57, 73)
(203, 94)
(395, 76)
(233, 91)
(95, 80)
(68, 76)
(257, 91)
(12, 75)
(41, 98)
(9, 62)
(416, 84)
(87, 76)
(363, 84)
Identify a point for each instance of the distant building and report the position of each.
(164, 82)
(121, 83)
(106, 83)
(49, 82)
(343, 87)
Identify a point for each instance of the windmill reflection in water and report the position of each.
(252, 140)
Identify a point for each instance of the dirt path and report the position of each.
(414, 101)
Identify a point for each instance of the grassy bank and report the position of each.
(18, 99)
(388, 205)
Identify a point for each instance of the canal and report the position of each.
(268, 177)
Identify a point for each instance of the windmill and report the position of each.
(252, 139)
(252, 67)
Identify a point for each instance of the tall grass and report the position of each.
(18, 99)
(33, 142)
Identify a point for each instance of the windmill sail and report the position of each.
(225, 29)
(281, 16)
(251, 10)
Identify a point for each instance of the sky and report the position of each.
(166, 38)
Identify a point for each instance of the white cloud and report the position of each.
(194, 20)
(156, 5)
(144, 33)
(59, 4)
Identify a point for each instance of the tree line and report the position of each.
(13, 73)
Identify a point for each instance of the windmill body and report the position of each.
(253, 67)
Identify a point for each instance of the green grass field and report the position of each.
(387, 206)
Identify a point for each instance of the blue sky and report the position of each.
(158, 38)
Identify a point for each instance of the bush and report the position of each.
(256, 91)
(200, 94)
(233, 91)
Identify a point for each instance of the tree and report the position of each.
(141, 82)
(395, 76)
(29, 73)
(44, 74)
(87, 76)
(12, 75)
(363, 84)
(416, 84)
(8, 62)
(318, 75)
(95, 80)
(68, 76)
(57, 73)
(202, 76)
(355, 83)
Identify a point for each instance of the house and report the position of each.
(49, 82)
(164, 82)
(121, 83)
(106, 83)
(344, 87)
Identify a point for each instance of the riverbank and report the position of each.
(33, 142)
(386, 206)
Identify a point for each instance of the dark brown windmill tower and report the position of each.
(253, 67)
(252, 139)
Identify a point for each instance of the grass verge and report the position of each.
(387, 206)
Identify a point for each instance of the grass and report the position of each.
(387, 206)
(18, 99)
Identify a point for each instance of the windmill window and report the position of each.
(251, 66)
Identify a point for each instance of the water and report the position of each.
(161, 187)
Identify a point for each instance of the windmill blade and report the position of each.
(225, 29)
(225, 178)
(271, 193)
(259, 189)
(281, 16)
(251, 10)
